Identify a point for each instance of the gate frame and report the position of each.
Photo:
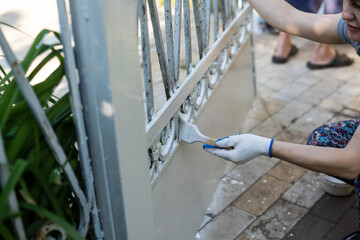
(118, 164)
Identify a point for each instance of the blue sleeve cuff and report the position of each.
(270, 146)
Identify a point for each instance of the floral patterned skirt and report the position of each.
(337, 135)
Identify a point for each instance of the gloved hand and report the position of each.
(246, 147)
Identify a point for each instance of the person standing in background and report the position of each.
(324, 55)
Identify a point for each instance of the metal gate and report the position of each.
(197, 86)
(146, 182)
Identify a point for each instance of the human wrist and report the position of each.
(264, 145)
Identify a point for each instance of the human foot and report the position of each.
(340, 60)
(280, 59)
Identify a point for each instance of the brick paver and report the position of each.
(227, 225)
(272, 199)
(261, 195)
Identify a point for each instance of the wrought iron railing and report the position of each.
(221, 29)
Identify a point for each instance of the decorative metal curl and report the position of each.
(224, 59)
(243, 34)
(187, 110)
(235, 44)
(154, 153)
(214, 74)
(201, 89)
(48, 228)
(168, 139)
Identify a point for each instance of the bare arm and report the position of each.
(281, 15)
(340, 162)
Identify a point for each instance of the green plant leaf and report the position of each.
(34, 226)
(5, 232)
(37, 48)
(6, 102)
(20, 143)
(70, 230)
(43, 182)
(44, 89)
(3, 72)
(59, 111)
(24, 192)
(15, 174)
(13, 27)
(46, 60)
(6, 213)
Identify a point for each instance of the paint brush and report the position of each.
(190, 133)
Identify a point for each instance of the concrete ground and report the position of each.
(271, 199)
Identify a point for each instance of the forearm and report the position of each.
(276, 12)
(340, 162)
(333, 161)
(284, 17)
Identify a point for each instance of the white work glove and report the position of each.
(246, 147)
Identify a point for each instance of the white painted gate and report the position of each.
(214, 91)
(196, 64)
(143, 66)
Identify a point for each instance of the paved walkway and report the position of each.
(271, 199)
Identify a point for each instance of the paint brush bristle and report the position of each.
(190, 133)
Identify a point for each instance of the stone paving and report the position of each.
(272, 199)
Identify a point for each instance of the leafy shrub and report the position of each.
(41, 188)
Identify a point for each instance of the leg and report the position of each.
(284, 48)
(324, 55)
(336, 135)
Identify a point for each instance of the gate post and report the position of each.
(105, 34)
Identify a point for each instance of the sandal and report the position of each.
(294, 50)
(340, 60)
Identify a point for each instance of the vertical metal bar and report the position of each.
(145, 43)
(198, 27)
(216, 19)
(76, 106)
(169, 43)
(230, 9)
(236, 7)
(226, 4)
(207, 32)
(159, 46)
(46, 128)
(203, 23)
(187, 33)
(177, 39)
(87, 23)
(223, 14)
(253, 57)
(216, 66)
(13, 203)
